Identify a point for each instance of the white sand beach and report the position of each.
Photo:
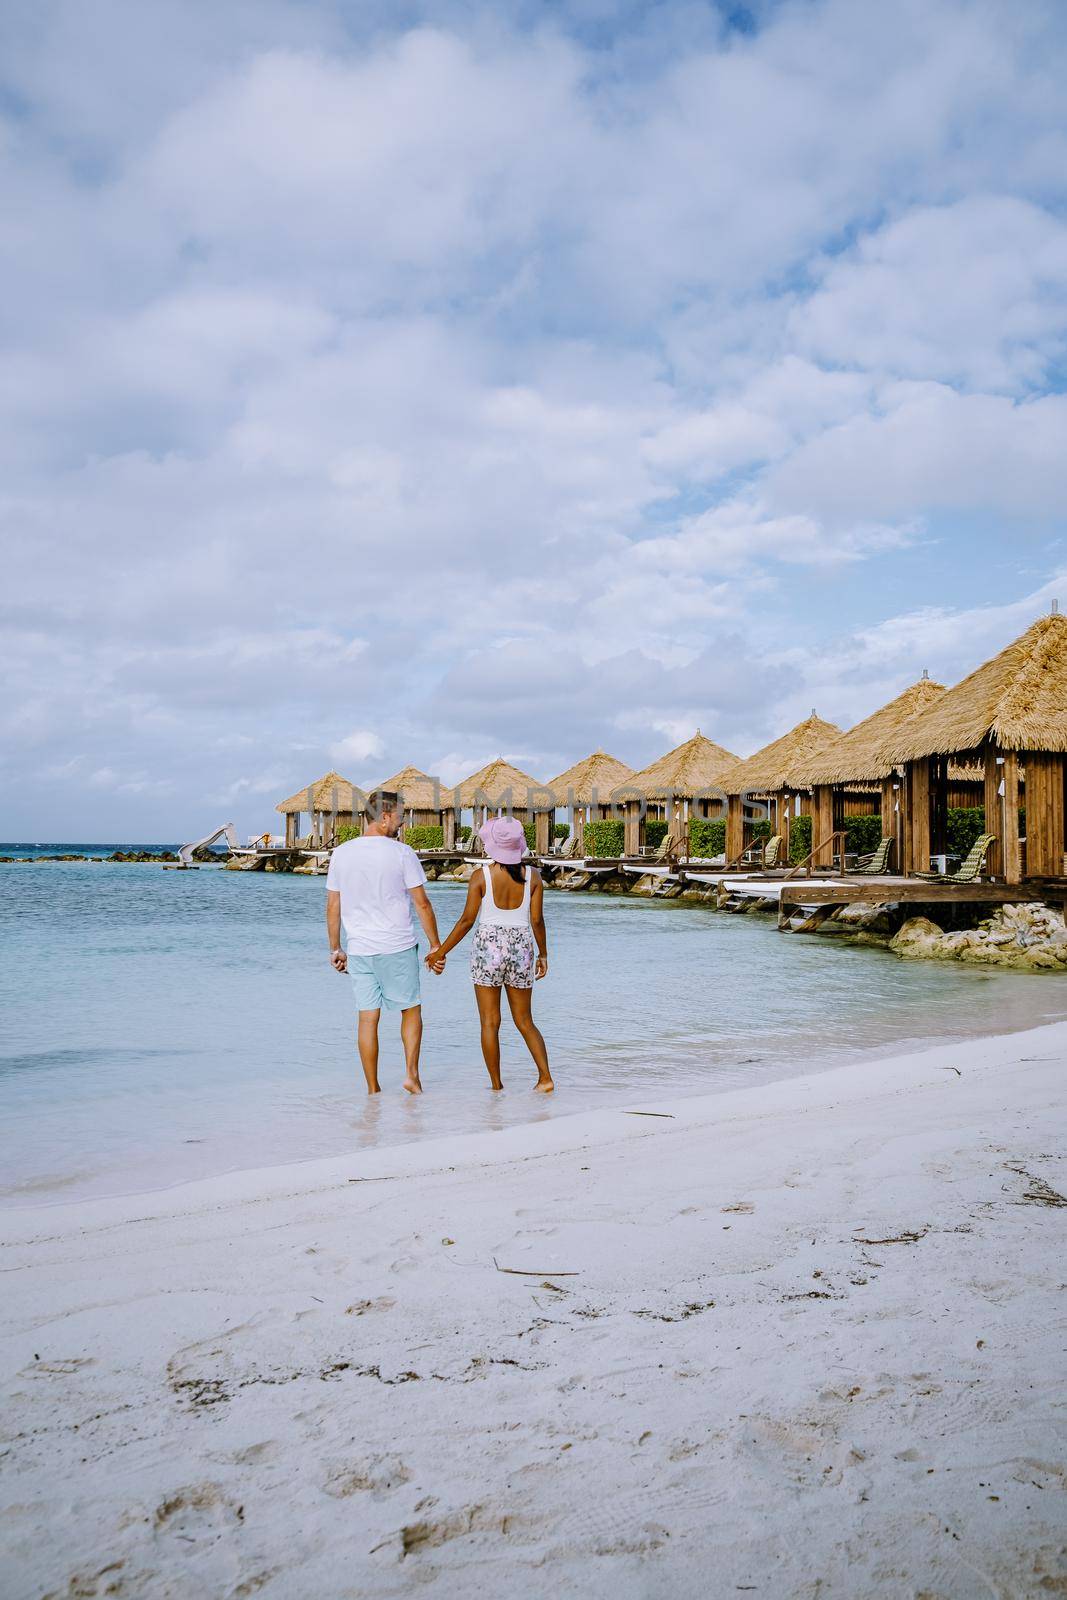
(805, 1339)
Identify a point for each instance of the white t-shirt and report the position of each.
(373, 877)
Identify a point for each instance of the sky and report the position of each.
(395, 382)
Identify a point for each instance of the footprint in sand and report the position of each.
(377, 1475)
(199, 1513)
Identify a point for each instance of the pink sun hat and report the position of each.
(504, 839)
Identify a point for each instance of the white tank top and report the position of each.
(494, 916)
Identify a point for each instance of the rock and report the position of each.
(918, 937)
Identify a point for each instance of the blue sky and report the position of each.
(399, 382)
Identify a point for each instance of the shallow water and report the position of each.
(161, 1026)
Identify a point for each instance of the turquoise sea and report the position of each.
(161, 1026)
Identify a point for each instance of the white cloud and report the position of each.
(524, 387)
(360, 746)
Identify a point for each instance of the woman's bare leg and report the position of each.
(521, 1003)
(489, 1016)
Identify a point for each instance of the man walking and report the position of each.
(372, 884)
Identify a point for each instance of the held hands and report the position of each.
(338, 961)
(435, 961)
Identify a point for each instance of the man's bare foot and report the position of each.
(544, 1086)
(412, 1085)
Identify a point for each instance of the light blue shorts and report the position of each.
(391, 981)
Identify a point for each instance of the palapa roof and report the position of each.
(859, 754)
(501, 784)
(596, 776)
(419, 790)
(772, 768)
(1018, 700)
(685, 771)
(322, 796)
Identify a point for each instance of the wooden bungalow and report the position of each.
(1010, 715)
(768, 775)
(687, 781)
(330, 803)
(426, 803)
(501, 789)
(854, 764)
(585, 790)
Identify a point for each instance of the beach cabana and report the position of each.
(768, 774)
(331, 802)
(502, 789)
(585, 790)
(856, 761)
(687, 781)
(426, 803)
(1010, 715)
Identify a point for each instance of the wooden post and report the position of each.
(735, 828)
(543, 821)
(916, 801)
(292, 829)
(634, 826)
(889, 821)
(448, 825)
(785, 820)
(994, 819)
(1044, 814)
(1013, 855)
(578, 828)
(822, 826)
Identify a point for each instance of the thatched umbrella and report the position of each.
(856, 759)
(426, 803)
(502, 787)
(586, 789)
(1012, 705)
(331, 802)
(688, 778)
(769, 772)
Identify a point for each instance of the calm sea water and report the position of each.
(161, 1026)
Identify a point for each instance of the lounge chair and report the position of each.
(971, 868)
(876, 861)
(765, 857)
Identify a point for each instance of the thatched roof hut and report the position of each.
(420, 792)
(590, 782)
(329, 793)
(858, 756)
(501, 784)
(684, 772)
(771, 769)
(1016, 701)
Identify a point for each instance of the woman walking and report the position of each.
(506, 900)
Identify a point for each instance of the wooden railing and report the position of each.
(831, 838)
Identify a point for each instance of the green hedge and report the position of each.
(799, 838)
(863, 834)
(761, 830)
(348, 831)
(429, 837)
(463, 834)
(656, 832)
(605, 838)
(707, 836)
(965, 823)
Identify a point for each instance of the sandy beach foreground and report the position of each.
(805, 1339)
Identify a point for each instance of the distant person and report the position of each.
(371, 886)
(506, 900)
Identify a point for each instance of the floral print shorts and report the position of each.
(503, 956)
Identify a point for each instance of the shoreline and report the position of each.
(835, 1295)
(889, 1050)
